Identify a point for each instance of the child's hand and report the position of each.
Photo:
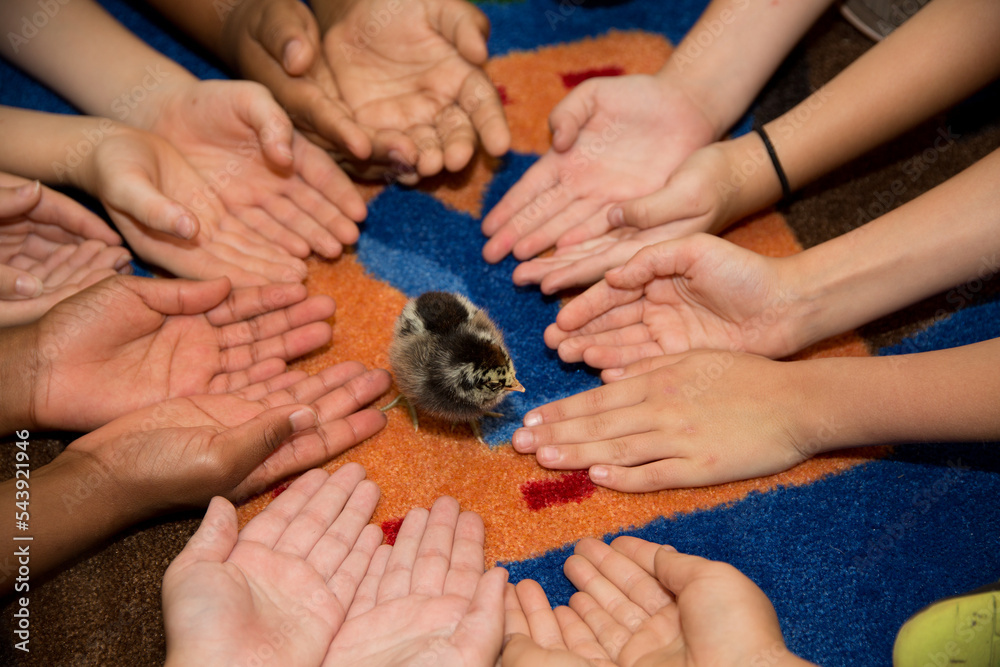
(292, 570)
(131, 342)
(168, 214)
(694, 199)
(695, 419)
(713, 188)
(50, 248)
(277, 43)
(695, 292)
(241, 143)
(417, 82)
(613, 139)
(650, 605)
(425, 600)
(181, 452)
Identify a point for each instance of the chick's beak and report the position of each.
(515, 387)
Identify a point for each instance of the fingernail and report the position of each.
(506, 640)
(285, 149)
(28, 189)
(547, 455)
(302, 419)
(598, 474)
(123, 262)
(186, 226)
(532, 419)
(28, 286)
(555, 137)
(292, 49)
(400, 164)
(614, 372)
(616, 216)
(522, 439)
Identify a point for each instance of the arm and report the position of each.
(746, 42)
(654, 123)
(703, 292)
(92, 60)
(81, 498)
(231, 133)
(948, 50)
(276, 43)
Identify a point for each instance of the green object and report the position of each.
(961, 630)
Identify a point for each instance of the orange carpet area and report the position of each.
(527, 510)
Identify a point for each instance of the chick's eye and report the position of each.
(493, 386)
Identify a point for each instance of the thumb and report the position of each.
(269, 122)
(289, 34)
(215, 538)
(664, 206)
(663, 259)
(17, 284)
(571, 114)
(135, 195)
(467, 28)
(179, 296)
(18, 201)
(246, 446)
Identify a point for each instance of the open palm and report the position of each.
(241, 143)
(146, 186)
(280, 590)
(696, 292)
(426, 600)
(418, 80)
(181, 452)
(602, 154)
(127, 343)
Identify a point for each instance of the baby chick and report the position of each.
(450, 360)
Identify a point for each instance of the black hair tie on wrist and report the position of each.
(785, 190)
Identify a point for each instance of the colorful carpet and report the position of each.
(846, 546)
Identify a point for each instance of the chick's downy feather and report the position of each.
(449, 359)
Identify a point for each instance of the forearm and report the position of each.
(71, 507)
(203, 21)
(944, 238)
(55, 148)
(941, 396)
(92, 60)
(940, 56)
(17, 371)
(734, 48)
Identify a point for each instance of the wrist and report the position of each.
(748, 183)
(674, 76)
(18, 370)
(157, 86)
